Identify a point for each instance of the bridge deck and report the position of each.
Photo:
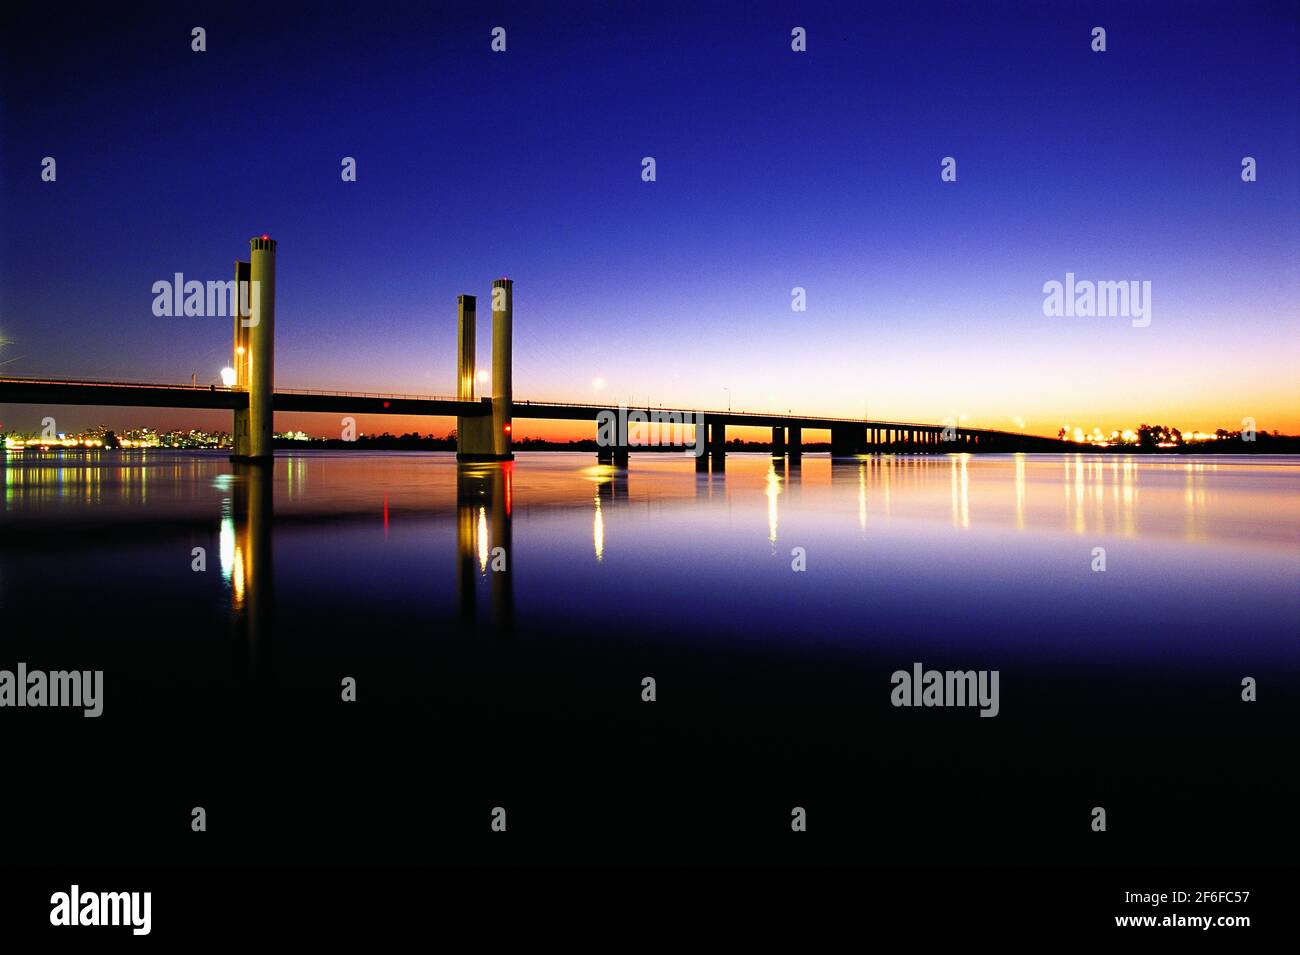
(53, 391)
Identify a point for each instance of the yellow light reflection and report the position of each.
(773, 492)
(482, 535)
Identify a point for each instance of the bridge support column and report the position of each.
(502, 369)
(239, 426)
(795, 443)
(261, 349)
(701, 446)
(778, 442)
(718, 444)
(473, 433)
(847, 440)
(486, 437)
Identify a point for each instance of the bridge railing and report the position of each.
(99, 383)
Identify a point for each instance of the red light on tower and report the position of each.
(265, 236)
(506, 429)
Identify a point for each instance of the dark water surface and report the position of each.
(521, 687)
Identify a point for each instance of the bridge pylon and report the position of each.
(486, 437)
(255, 351)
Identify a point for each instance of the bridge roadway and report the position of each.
(53, 391)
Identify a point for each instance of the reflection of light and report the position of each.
(598, 530)
(228, 377)
(237, 578)
(226, 545)
(772, 492)
(1020, 492)
(482, 540)
(862, 496)
(960, 491)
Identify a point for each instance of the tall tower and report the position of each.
(239, 361)
(502, 384)
(466, 306)
(261, 347)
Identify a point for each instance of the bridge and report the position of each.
(857, 435)
(483, 423)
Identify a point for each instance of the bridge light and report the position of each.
(265, 236)
(228, 377)
(506, 429)
(239, 350)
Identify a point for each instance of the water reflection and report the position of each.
(485, 557)
(574, 516)
(773, 491)
(246, 567)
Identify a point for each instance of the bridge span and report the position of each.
(848, 435)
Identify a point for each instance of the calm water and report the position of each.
(522, 683)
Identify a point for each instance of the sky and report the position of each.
(775, 169)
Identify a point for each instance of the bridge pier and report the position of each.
(239, 432)
(847, 440)
(502, 369)
(795, 443)
(702, 447)
(473, 433)
(257, 361)
(718, 444)
(778, 442)
(486, 437)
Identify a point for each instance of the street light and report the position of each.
(728, 391)
(228, 377)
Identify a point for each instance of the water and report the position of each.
(499, 621)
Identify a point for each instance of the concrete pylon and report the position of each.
(473, 432)
(466, 343)
(502, 369)
(260, 349)
(239, 359)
